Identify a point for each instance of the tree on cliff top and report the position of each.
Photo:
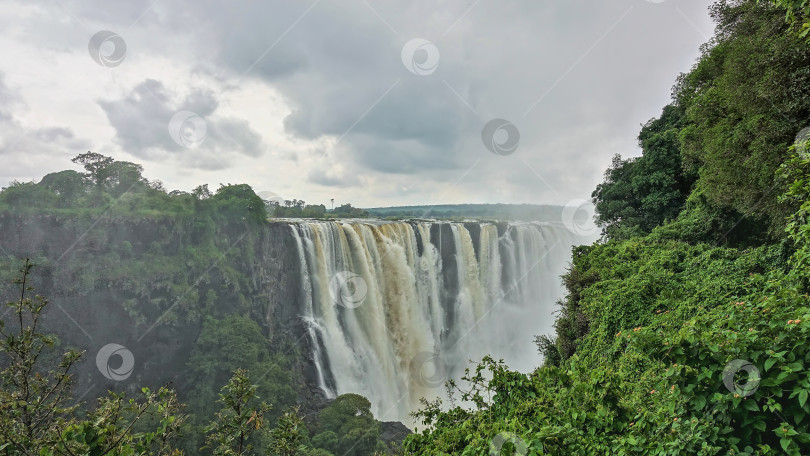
(94, 164)
(240, 202)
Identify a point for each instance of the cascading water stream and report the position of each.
(392, 310)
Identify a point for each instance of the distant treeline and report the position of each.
(496, 211)
(300, 209)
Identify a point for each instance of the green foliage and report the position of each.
(108, 428)
(288, 436)
(346, 210)
(35, 404)
(640, 194)
(618, 285)
(224, 346)
(709, 160)
(239, 202)
(186, 266)
(122, 177)
(241, 416)
(327, 440)
(95, 165)
(66, 185)
(797, 173)
(117, 188)
(227, 344)
(745, 101)
(316, 452)
(38, 415)
(297, 209)
(798, 15)
(22, 195)
(300, 209)
(348, 418)
(664, 395)
(703, 222)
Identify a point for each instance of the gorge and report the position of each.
(385, 309)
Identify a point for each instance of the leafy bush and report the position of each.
(38, 415)
(664, 392)
(347, 427)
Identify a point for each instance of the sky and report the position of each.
(376, 103)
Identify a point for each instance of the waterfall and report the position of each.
(392, 310)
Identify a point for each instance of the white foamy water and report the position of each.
(394, 309)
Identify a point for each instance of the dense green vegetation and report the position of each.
(710, 159)
(117, 188)
(798, 15)
(182, 262)
(685, 331)
(299, 209)
(39, 414)
(640, 194)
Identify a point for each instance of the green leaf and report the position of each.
(700, 402)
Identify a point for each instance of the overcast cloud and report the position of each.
(316, 99)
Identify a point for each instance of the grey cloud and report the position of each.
(340, 70)
(335, 62)
(141, 122)
(8, 99)
(61, 136)
(329, 177)
(595, 70)
(115, 15)
(407, 156)
(31, 145)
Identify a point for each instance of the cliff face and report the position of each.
(150, 284)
